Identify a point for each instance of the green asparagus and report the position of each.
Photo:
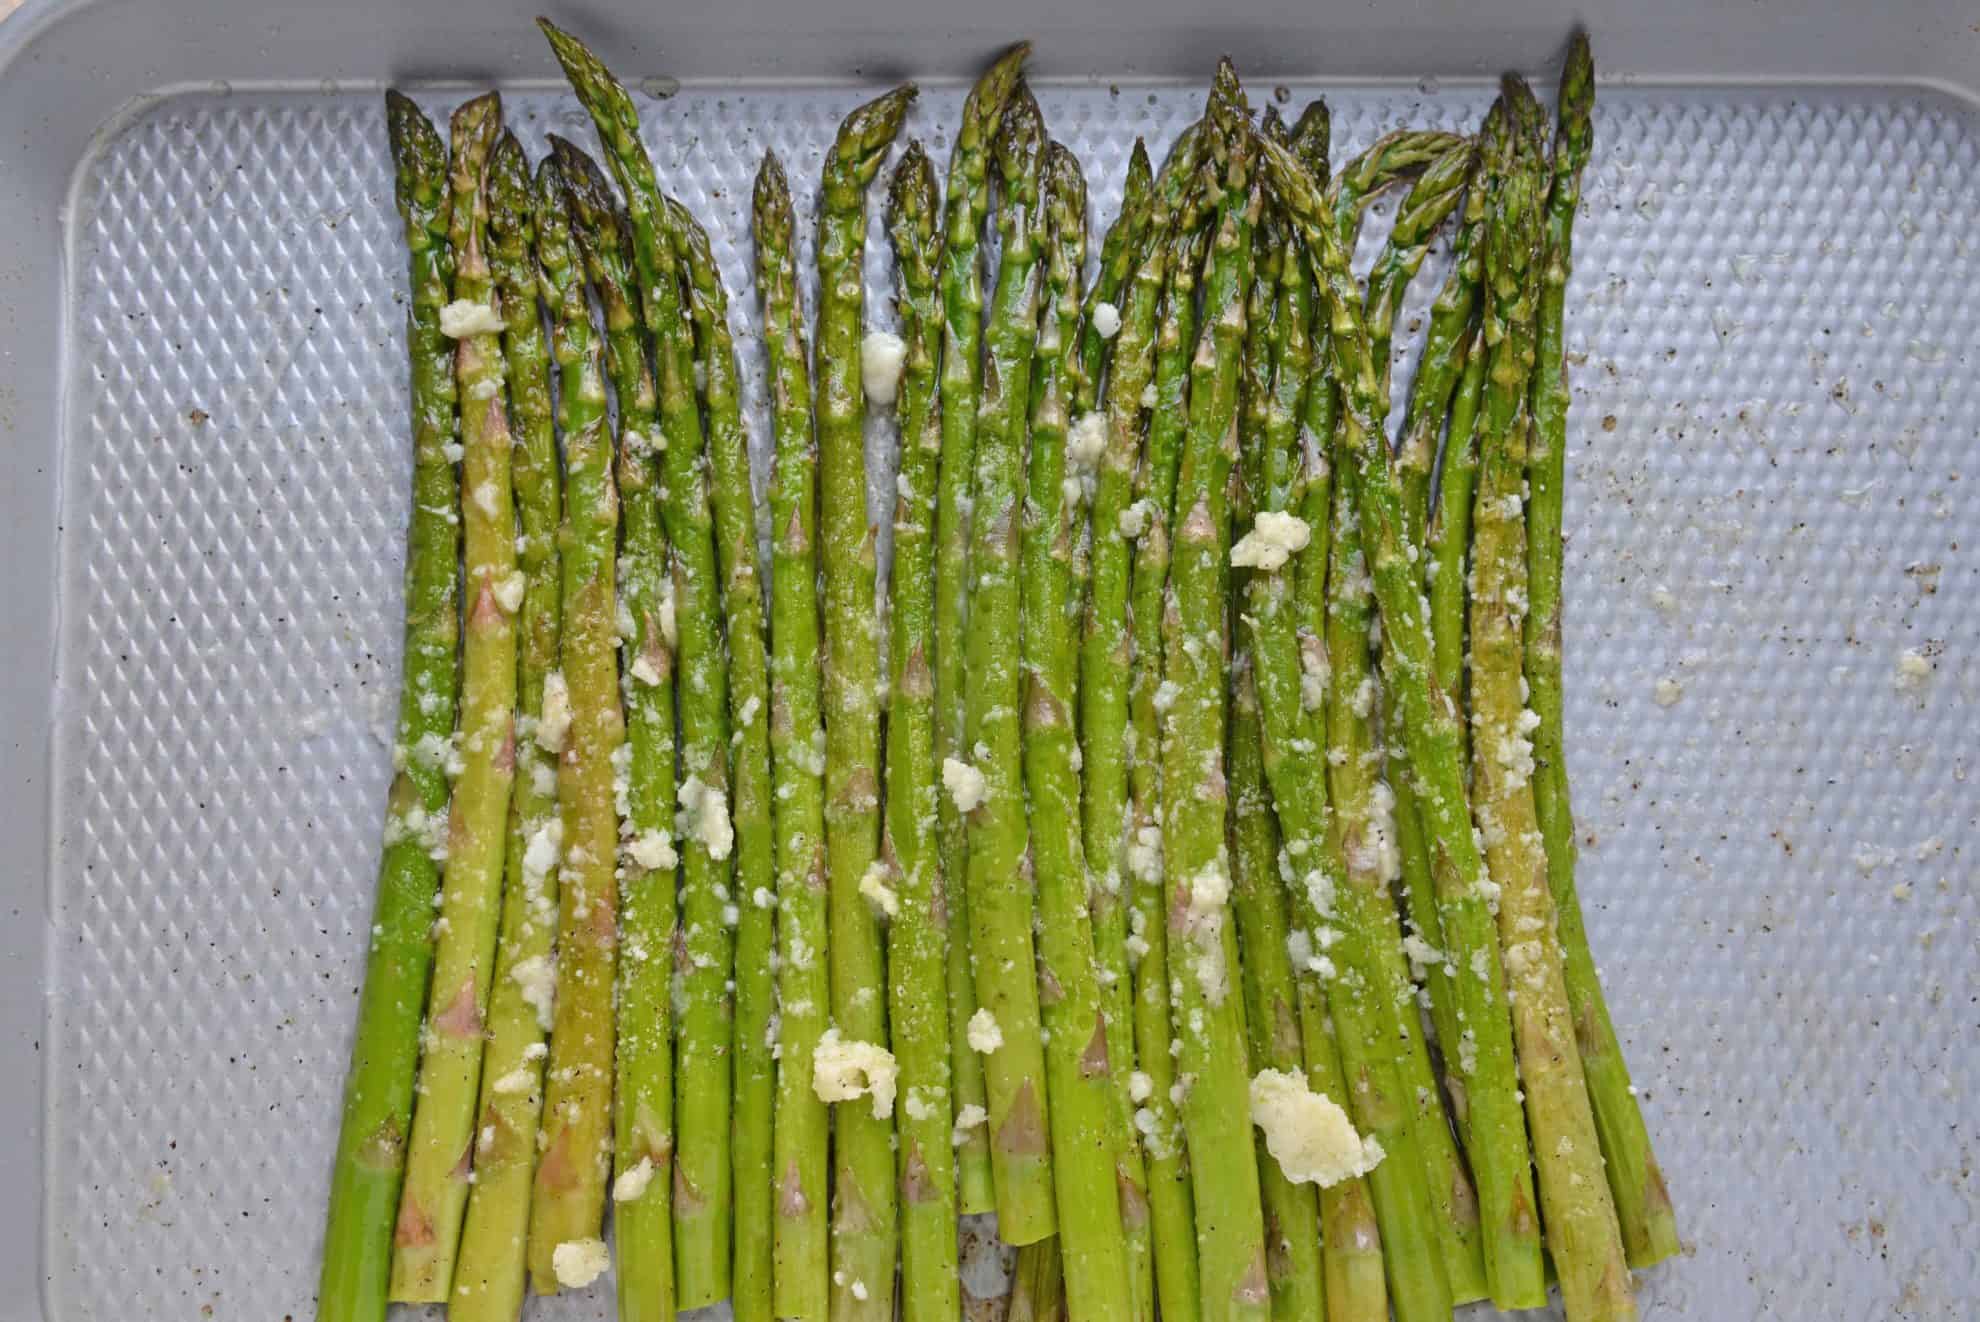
(1171, 1201)
(583, 726)
(989, 788)
(1643, 1204)
(962, 313)
(801, 1135)
(863, 1224)
(1103, 685)
(1202, 950)
(917, 933)
(440, 1157)
(733, 499)
(648, 850)
(1079, 1071)
(488, 1276)
(378, 1092)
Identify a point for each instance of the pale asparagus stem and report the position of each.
(863, 1221)
(378, 1092)
(1292, 1213)
(734, 506)
(999, 874)
(1582, 1232)
(1103, 686)
(967, 204)
(575, 1149)
(1078, 1068)
(489, 1275)
(1202, 943)
(644, 1102)
(801, 1136)
(1172, 1216)
(917, 935)
(1643, 1204)
(1038, 1283)
(438, 1161)
(1434, 195)
(1430, 724)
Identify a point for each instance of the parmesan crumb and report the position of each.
(653, 850)
(579, 1262)
(704, 817)
(881, 354)
(1307, 1133)
(1272, 540)
(632, 1182)
(965, 784)
(878, 893)
(843, 1070)
(968, 1117)
(537, 977)
(464, 317)
(509, 592)
(1667, 691)
(1106, 320)
(554, 727)
(1086, 442)
(985, 1034)
(1913, 670)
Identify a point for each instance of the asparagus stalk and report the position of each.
(1120, 257)
(1430, 724)
(1438, 372)
(574, 1151)
(734, 502)
(488, 1275)
(1449, 538)
(437, 1164)
(863, 1228)
(1103, 685)
(1079, 1071)
(917, 935)
(1582, 1231)
(1202, 946)
(801, 1136)
(1172, 1215)
(648, 850)
(998, 872)
(1643, 1204)
(1038, 1286)
(962, 314)
(378, 1091)
(1292, 1213)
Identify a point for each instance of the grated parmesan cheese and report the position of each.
(1307, 1133)
(632, 1182)
(843, 1070)
(1273, 538)
(579, 1262)
(464, 317)
(1106, 320)
(873, 885)
(553, 728)
(704, 817)
(965, 784)
(881, 354)
(985, 1034)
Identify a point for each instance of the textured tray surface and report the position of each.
(1774, 412)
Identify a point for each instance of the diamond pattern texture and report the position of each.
(1775, 408)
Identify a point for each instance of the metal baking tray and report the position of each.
(1772, 499)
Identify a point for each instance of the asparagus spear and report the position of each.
(999, 876)
(1430, 726)
(574, 1150)
(917, 935)
(962, 313)
(1120, 256)
(1078, 1068)
(1038, 1284)
(801, 1135)
(1582, 1231)
(1449, 539)
(734, 504)
(378, 1091)
(1643, 1204)
(648, 854)
(863, 1229)
(1103, 683)
(1202, 946)
(1292, 1214)
(1172, 1214)
(488, 1275)
(437, 1164)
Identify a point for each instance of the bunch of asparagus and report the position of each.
(1200, 732)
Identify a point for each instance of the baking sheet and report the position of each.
(1774, 416)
